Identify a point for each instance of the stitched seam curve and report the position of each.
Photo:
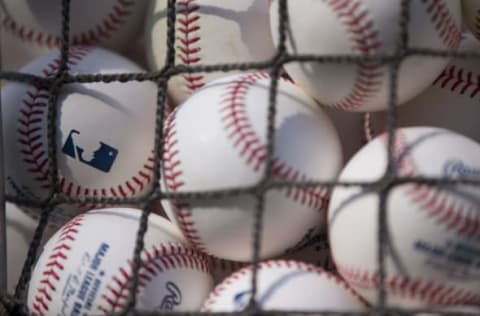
(364, 36)
(188, 46)
(459, 80)
(103, 30)
(438, 205)
(155, 260)
(297, 265)
(412, 288)
(443, 22)
(172, 167)
(32, 116)
(241, 133)
(55, 265)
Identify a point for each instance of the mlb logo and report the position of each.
(103, 158)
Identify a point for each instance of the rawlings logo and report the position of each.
(241, 299)
(173, 297)
(457, 169)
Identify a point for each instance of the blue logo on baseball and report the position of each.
(103, 157)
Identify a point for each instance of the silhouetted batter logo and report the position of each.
(103, 158)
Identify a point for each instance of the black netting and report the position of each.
(14, 303)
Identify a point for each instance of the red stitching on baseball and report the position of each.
(443, 22)
(365, 39)
(436, 203)
(101, 31)
(32, 115)
(54, 265)
(172, 173)
(244, 138)
(154, 261)
(188, 48)
(459, 80)
(34, 109)
(412, 288)
(298, 265)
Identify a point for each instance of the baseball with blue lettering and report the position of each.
(432, 228)
(285, 285)
(86, 267)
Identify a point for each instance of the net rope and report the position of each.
(14, 304)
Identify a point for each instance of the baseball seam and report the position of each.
(412, 288)
(172, 174)
(436, 203)
(241, 133)
(54, 265)
(459, 80)
(30, 139)
(244, 138)
(32, 112)
(188, 48)
(298, 265)
(101, 31)
(443, 22)
(364, 37)
(155, 261)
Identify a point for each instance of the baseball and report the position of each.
(433, 255)
(208, 32)
(471, 11)
(284, 285)
(86, 267)
(31, 28)
(366, 27)
(227, 149)
(105, 132)
(451, 102)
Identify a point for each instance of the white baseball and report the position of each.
(450, 102)
(86, 267)
(31, 28)
(471, 16)
(284, 285)
(366, 27)
(434, 255)
(20, 229)
(105, 132)
(226, 148)
(208, 32)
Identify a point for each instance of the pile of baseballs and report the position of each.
(318, 246)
